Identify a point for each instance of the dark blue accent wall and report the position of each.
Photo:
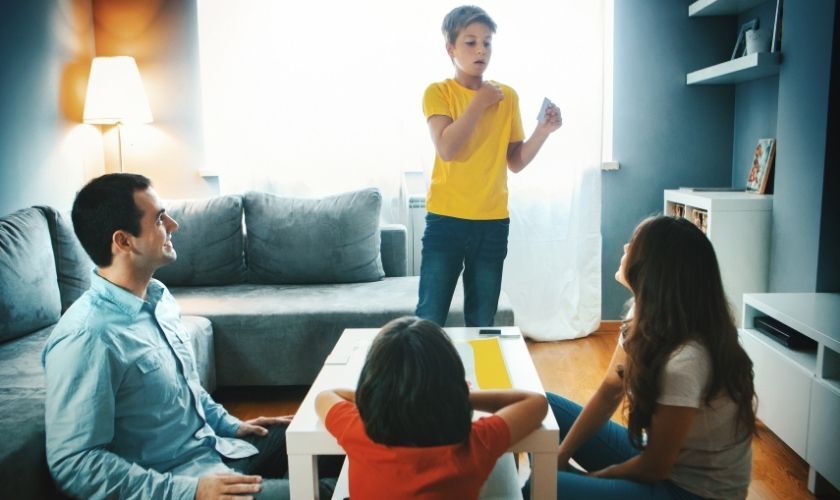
(666, 134)
(828, 269)
(804, 82)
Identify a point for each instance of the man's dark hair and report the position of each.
(103, 206)
(412, 390)
(461, 17)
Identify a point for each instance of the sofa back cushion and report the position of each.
(72, 263)
(209, 242)
(29, 296)
(326, 240)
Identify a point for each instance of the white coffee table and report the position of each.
(307, 437)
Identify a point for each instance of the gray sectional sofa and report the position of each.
(266, 285)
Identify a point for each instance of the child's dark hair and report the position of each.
(412, 390)
(463, 16)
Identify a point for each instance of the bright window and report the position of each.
(314, 98)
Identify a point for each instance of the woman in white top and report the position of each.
(690, 401)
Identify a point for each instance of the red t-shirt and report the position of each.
(434, 472)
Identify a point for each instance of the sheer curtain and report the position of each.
(310, 99)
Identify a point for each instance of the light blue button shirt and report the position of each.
(126, 416)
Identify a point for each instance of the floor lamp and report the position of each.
(115, 95)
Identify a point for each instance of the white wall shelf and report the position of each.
(799, 390)
(738, 225)
(721, 7)
(743, 69)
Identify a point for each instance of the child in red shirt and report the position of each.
(407, 429)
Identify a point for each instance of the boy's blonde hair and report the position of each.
(463, 16)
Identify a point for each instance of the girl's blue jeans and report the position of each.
(611, 445)
(476, 247)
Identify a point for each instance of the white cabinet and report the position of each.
(799, 390)
(738, 225)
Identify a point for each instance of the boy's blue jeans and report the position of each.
(450, 245)
(611, 445)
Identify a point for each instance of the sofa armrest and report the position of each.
(392, 248)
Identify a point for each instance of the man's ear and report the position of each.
(120, 242)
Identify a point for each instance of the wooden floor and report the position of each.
(573, 368)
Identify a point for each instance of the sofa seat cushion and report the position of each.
(281, 334)
(23, 464)
(24, 472)
(209, 242)
(326, 240)
(29, 297)
(20, 361)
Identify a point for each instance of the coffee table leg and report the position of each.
(303, 476)
(543, 476)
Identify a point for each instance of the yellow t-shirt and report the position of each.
(473, 186)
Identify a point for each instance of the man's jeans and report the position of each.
(476, 247)
(273, 465)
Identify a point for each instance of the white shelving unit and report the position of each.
(738, 225)
(799, 390)
(743, 69)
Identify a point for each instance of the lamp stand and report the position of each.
(119, 144)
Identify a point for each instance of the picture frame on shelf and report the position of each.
(741, 42)
(762, 165)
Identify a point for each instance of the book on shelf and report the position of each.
(699, 217)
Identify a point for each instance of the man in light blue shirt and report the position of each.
(126, 416)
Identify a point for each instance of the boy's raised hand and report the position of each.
(488, 94)
(552, 119)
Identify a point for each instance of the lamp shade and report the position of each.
(115, 92)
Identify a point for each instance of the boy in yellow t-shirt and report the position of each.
(477, 132)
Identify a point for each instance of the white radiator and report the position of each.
(413, 215)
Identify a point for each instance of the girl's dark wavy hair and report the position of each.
(673, 272)
(412, 390)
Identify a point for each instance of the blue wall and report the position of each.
(666, 134)
(828, 269)
(804, 82)
(43, 45)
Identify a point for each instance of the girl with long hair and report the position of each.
(686, 381)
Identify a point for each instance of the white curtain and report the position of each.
(315, 98)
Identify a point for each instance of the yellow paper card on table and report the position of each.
(490, 368)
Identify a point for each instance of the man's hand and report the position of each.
(258, 425)
(487, 95)
(226, 486)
